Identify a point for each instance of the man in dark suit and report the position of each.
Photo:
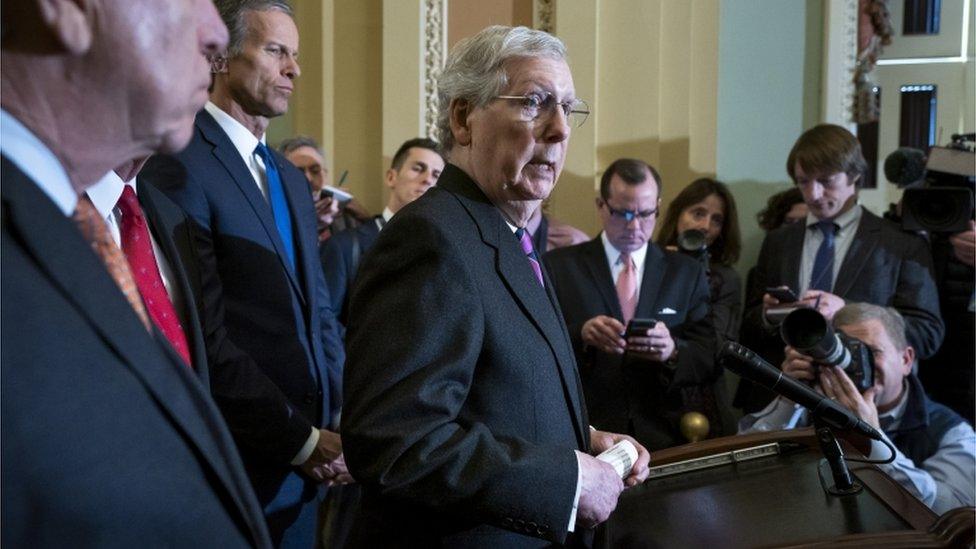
(415, 168)
(637, 384)
(842, 252)
(264, 293)
(108, 437)
(463, 416)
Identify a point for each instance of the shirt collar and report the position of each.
(106, 193)
(37, 161)
(243, 140)
(613, 254)
(893, 416)
(843, 221)
(388, 214)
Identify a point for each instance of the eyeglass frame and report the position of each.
(567, 107)
(630, 215)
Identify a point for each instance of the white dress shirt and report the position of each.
(19, 145)
(847, 223)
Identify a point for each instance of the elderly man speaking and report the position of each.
(463, 416)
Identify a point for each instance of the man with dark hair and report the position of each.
(108, 436)
(936, 448)
(415, 168)
(271, 335)
(636, 383)
(842, 252)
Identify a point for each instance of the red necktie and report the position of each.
(138, 250)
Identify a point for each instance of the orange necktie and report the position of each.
(627, 288)
(96, 232)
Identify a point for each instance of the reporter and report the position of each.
(936, 448)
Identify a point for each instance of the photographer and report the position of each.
(936, 458)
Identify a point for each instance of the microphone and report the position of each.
(905, 166)
(749, 365)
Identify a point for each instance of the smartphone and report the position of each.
(638, 327)
(784, 295)
(339, 194)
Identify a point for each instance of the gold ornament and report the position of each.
(694, 426)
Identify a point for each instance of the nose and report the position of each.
(556, 129)
(292, 70)
(701, 225)
(212, 32)
(634, 223)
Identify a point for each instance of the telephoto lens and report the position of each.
(808, 332)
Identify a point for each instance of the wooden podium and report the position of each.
(764, 490)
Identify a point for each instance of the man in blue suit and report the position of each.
(108, 436)
(263, 289)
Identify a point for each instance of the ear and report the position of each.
(599, 202)
(390, 177)
(908, 359)
(460, 110)
(70, 23)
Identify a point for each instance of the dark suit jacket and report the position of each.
(341, 259)
(108, 438)
(462, 405)
(884, 266)
(174, 236)
(254, 306)
(625, 394)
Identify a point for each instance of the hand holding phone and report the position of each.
(783, 294)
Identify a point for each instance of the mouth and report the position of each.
(285, 89)
(542, 165)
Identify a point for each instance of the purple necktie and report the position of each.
(526, 241)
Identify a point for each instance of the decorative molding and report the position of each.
(435, 54)
(545, 15)
(840, 61)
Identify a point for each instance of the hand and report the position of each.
(601, 441)
(770, 301)
(657, 346)
(828, 305)
(603, 332)
(326, 463)
(799, 366)
(838, 386)
(964, 245)
(326, 208)
(599, 489)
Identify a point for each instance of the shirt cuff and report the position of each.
(306, 451)
(579, 485)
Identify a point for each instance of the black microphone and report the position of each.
(749, 365)
(905, 166)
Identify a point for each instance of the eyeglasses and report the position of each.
(630, 215)
(537, 106)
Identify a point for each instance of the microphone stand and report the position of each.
(833, 463)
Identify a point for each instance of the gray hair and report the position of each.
(890, 319)
(293, 143)
(233, 11)
(475, 69)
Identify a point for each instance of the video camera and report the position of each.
(808, 332)
(938, 188)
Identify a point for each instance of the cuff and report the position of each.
(579, 485)
(306, 451)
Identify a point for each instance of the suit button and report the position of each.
(507, 522)
(532, 527)
(520, 524)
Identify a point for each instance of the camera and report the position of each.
(808, 332)
(938, 187)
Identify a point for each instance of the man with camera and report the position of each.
(936, 448)
(842, 252)
(638, 316)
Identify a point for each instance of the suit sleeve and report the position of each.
(917, 299)
(334, 267)
(696, 342)
(415, 340)
(332, 345)
(259, 415)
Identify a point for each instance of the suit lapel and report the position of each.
(595, 259)
(862, 248)
(174, 243)
(514, 269)
(650, 282)
(226, 153)
(72, 267)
